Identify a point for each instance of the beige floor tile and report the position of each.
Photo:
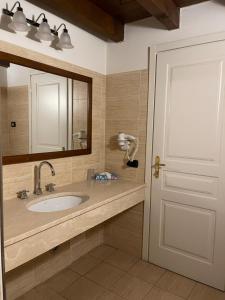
(102, 251)
(62, 280)
(147, 272)
(33, 294)
(83, 289)
(131, 288)
(109, 296)
(41, 292)
(105, 275)
(157, 294)
(176, 284)
(204, 292)
(122, 260)
(84, 264)
(46, 293)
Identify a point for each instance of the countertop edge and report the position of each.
(70, 216)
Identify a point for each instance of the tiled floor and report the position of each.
(106, 273)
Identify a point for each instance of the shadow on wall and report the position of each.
(113, 144)
(4, 22)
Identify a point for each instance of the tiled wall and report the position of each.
(14, 107)
(80, 107)
(4, 120)
(126, 111)
(18, 111)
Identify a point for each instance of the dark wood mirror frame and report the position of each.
(7, 58)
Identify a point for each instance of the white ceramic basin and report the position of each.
(57, 203)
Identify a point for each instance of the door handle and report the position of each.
(157, 166)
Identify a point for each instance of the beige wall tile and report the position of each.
(102, 252)
(126, 111)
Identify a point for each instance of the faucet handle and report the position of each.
(22, 194)
(50, 187)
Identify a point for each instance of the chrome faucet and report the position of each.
(37, 176)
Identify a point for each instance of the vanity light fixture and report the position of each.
(64, 39)
(44, 32)
(19, 22)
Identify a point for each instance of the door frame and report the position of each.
(153, 51)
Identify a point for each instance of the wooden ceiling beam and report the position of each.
(182, 3)
(166, 11)
(85, 15)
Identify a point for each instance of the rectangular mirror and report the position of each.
(44, 114)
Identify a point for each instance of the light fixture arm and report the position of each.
(10, 12)
(17, 2)
(42, 14)
(63, 24)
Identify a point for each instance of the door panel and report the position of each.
(49, 113)
(188, 198)
(188, 241)
(188, 83)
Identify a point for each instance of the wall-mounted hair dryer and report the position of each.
(129, 143)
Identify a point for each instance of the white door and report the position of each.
(48, 113)
(187, 232)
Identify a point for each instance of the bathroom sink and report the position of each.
(57, 203)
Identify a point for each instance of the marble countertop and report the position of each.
(20, 223)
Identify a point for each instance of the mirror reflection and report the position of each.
(41, 112)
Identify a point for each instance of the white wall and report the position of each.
(132, 54)
(89, 51)
(19, 75)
